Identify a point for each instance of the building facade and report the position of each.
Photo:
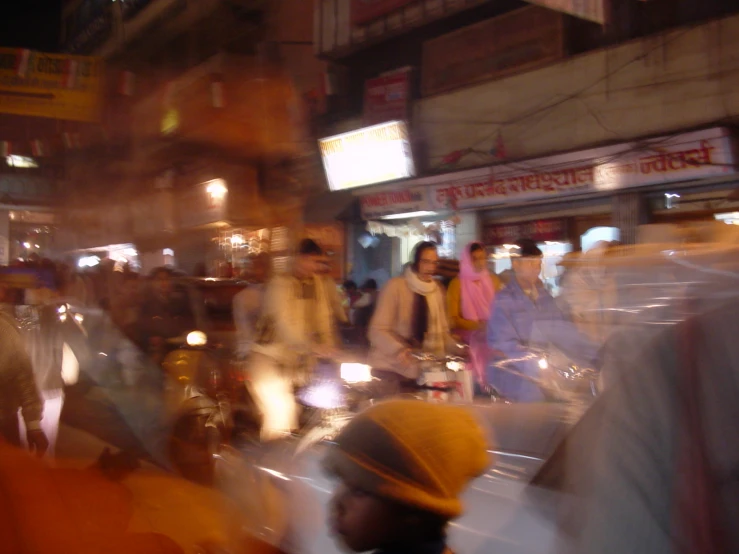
(527, 120)
(205, 139)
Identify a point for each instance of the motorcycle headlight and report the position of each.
(356, 373)
(455, 365)
(543, 363)
(326, 396)
(79, 318)
(197, 338)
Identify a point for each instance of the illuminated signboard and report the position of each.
(368, 156)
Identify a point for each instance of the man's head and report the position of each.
(370, 285)
(479, 257)
(161, 281)
(350, 287)
(308, 259)
(526, 260)
(425, 260)
(402, 466)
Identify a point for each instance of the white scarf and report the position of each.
(435, 339)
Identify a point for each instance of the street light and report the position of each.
(217, 189)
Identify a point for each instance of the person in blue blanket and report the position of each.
(525, 313)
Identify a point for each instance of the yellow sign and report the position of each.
(170, 122)
(50, 85)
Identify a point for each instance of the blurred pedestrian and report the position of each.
(41, 330)
(165, 313)
(297, 325)
(653, 467)
(18, 390)
(402, 467)
(247, 304)
(125, 304)
(589, 294)
(340, 307)
(364, 309)
(352, 292)
(469, 302)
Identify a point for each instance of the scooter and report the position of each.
(207, 399)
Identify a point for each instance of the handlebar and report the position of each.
(434, 359)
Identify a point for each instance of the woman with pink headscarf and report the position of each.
(469, 302)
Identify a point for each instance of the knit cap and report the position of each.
(417, 453)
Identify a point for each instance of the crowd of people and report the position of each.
(284, 322)
(289, 320)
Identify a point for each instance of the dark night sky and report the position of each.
(32, 24)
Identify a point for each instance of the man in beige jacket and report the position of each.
(410, 315)
(297, 326)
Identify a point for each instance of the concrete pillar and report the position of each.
(629, 211)
(4, 237)
(467, 231)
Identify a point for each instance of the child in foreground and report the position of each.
(402, 466)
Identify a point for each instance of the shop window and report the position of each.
(599, 234)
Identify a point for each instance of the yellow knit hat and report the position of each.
(417, 453)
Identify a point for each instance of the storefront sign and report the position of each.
(368, 156)
(503, 184)
(511, 43)
(366, 11)
(685, 157)
(375, 206)
(27, 216)
(697, 155)
(690, 156)
(49, 85)
(386, 98)
(540, 231)
(592, 10)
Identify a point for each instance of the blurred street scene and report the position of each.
(421, 276)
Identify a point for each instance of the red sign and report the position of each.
(365, 11)
(386, 98)
(539, 231)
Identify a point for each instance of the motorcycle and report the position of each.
(208, 403)
(339, 390)
(559, 378)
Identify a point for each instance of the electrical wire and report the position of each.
(548, 107)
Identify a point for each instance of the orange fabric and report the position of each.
(50, 511)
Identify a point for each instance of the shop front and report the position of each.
(26, 232)
(596, 194)
(222, 223)
(91, 235)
